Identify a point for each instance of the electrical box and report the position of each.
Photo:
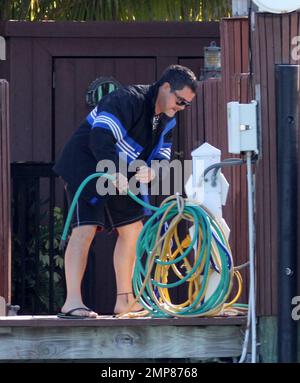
(242, 127)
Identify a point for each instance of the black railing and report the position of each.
(38, 284)
(39, 210)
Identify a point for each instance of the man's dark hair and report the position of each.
(178, 77)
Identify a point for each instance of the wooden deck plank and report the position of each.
(81, 341)
(107, 320)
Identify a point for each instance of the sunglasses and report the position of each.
(181, 101)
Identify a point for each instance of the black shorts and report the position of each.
(119, 210)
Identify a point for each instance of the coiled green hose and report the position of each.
(193, 262)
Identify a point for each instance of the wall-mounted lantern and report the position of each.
(212, 61)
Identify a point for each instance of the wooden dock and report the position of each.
(51, 338)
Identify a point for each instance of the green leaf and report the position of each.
(120, 10)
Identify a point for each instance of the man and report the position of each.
(136, 122)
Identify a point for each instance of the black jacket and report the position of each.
(122, 123)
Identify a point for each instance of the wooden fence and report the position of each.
(49, 67)
(206, 121)
(270, 44)
(246, 77)
(5, 243)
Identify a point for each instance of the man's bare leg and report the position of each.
(75, 264)
(124, 260)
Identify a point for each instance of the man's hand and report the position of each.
(145, 174)
(121, 182)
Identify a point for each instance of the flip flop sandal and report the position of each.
(70, 315)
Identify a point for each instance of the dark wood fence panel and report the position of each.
(78, 29)
(235, 86)
(5, 220)
(265, 254)
(32, 49)
(21, 100)
(272, 44)
(42, 96)
(30, 78)
(50, 66)
(234, 55)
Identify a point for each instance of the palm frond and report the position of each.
(118, 10)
